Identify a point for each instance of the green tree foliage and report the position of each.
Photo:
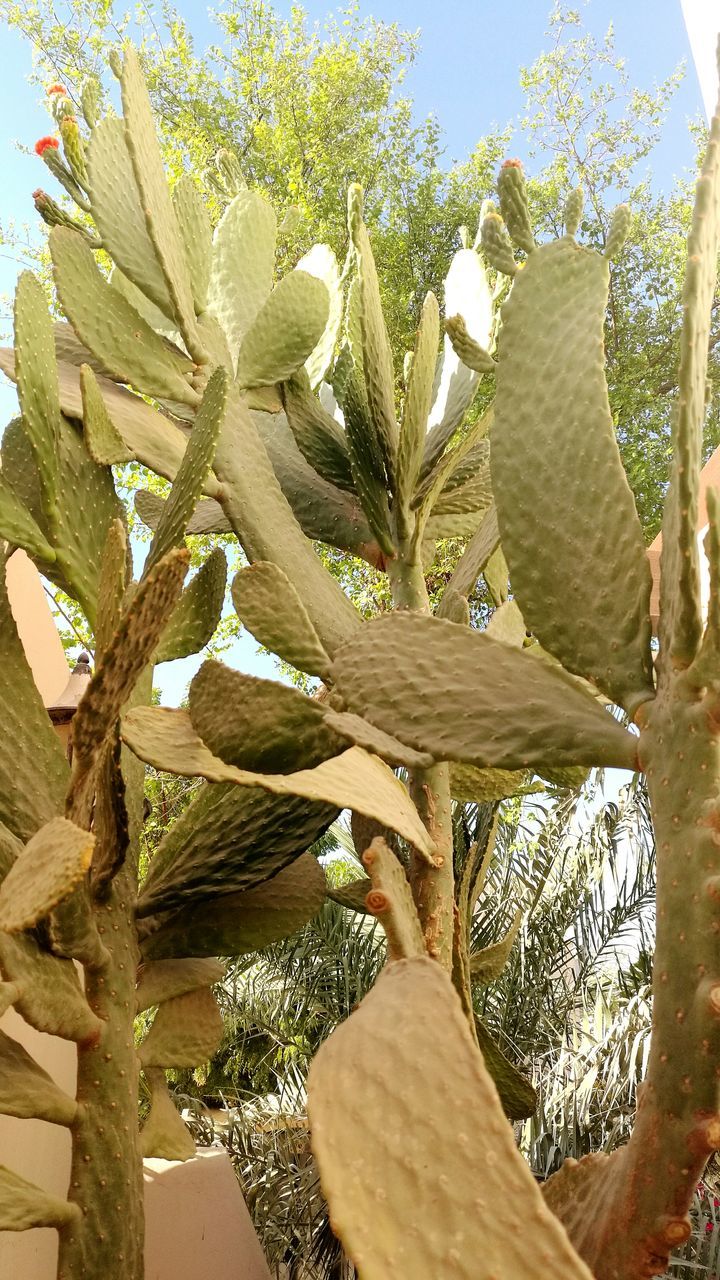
(305, 110)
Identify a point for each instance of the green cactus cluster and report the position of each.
(275, 409)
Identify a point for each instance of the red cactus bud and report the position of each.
(38, 194)
(42, 144)
(56, 88)
(511, 164)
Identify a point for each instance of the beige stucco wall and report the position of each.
(34, 621)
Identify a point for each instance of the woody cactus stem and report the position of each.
(432, 886)
(106, 1172)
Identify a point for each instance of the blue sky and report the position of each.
(466, 74)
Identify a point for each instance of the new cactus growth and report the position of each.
(272, 407)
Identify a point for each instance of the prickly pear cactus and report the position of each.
(276, 411)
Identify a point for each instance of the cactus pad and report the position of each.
(111, 327)
(28, 1092)
(23, 1205)
(129, 653)
(267, 604)
(162, 980)
(193, 621)
(196, 463)
(284, 332)
(238, 923)
(419, 1165)
(243, 250)
(157, 206)
(186, 1031)
(164, 1136)
(391, 670)
(49, 867)
(118, 211)
(259, 724)
(355, 780)
(592, 549)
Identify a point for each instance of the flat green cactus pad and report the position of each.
(466, 348)
(476, 554)
(197, 462)
(259, 724)
(236, 924)
(23, 1205)
(111, 327)
(418, 399)
(507, 624)
(47, 870)
(208, 516)
(356, 780)
(129, 652)
(28, 1092)
(319, 437)
(284, 332)
(243, 250)
(70, 350)
(196, 234)
(146, 434)
(376, 350)
(263, 520)
(437, 686)
(487, 965)
(680, 598)
(18, 527)
(322, 263)
(352, 895)
(267, 603)
(157, 206)
(229, 839)
(36, 382)
(162, 980)
(164, 1136)
(50, 997)
(193, 621)
(367, 735)
(118, 211)
(416, 1158)
(515, 1091)
(33, 770)
(321, 510)
(104, 442)
(186, 1031)
(483, 786)
(556, 467)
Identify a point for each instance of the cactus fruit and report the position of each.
(193, 360)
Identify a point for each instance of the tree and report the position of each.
(317, 110)
(303, 111)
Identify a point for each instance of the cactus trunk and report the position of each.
(106, 1174)
(678, 1122)
(432, 887)
(642, 1193)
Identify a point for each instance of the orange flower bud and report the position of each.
(42, 144)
